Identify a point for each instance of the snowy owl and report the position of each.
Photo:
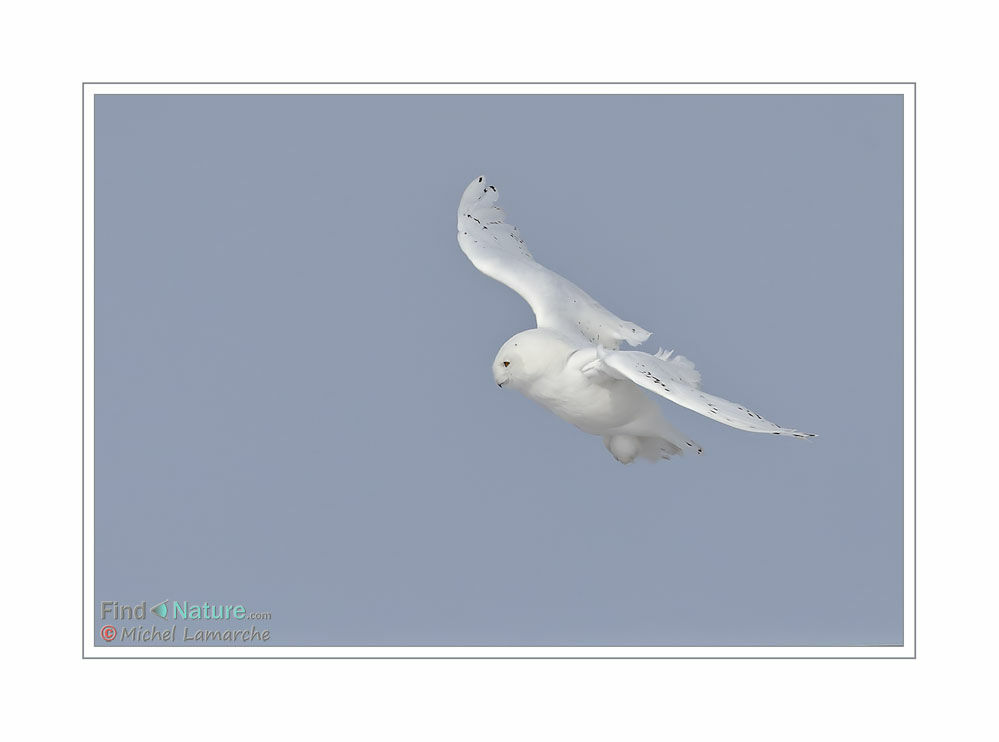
(570, 364)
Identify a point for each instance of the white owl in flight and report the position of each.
(571, 365)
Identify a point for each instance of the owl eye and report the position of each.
(506, 363)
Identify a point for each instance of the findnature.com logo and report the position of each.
(180, 611)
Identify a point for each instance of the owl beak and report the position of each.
(499, 385)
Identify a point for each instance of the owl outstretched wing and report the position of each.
(675, 378)
(496, 248)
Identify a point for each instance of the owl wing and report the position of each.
(495, 247)
(675, 378)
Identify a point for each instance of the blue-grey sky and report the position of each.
(294, 403)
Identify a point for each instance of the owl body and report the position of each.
(548, 368)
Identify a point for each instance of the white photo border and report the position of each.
(906, 650)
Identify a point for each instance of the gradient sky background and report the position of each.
(294, 404)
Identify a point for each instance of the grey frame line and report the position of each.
(383, 82)
(915, 436)
(83, 462)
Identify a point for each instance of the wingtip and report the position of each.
(796, 433)
(475, 185)
(473, 197)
